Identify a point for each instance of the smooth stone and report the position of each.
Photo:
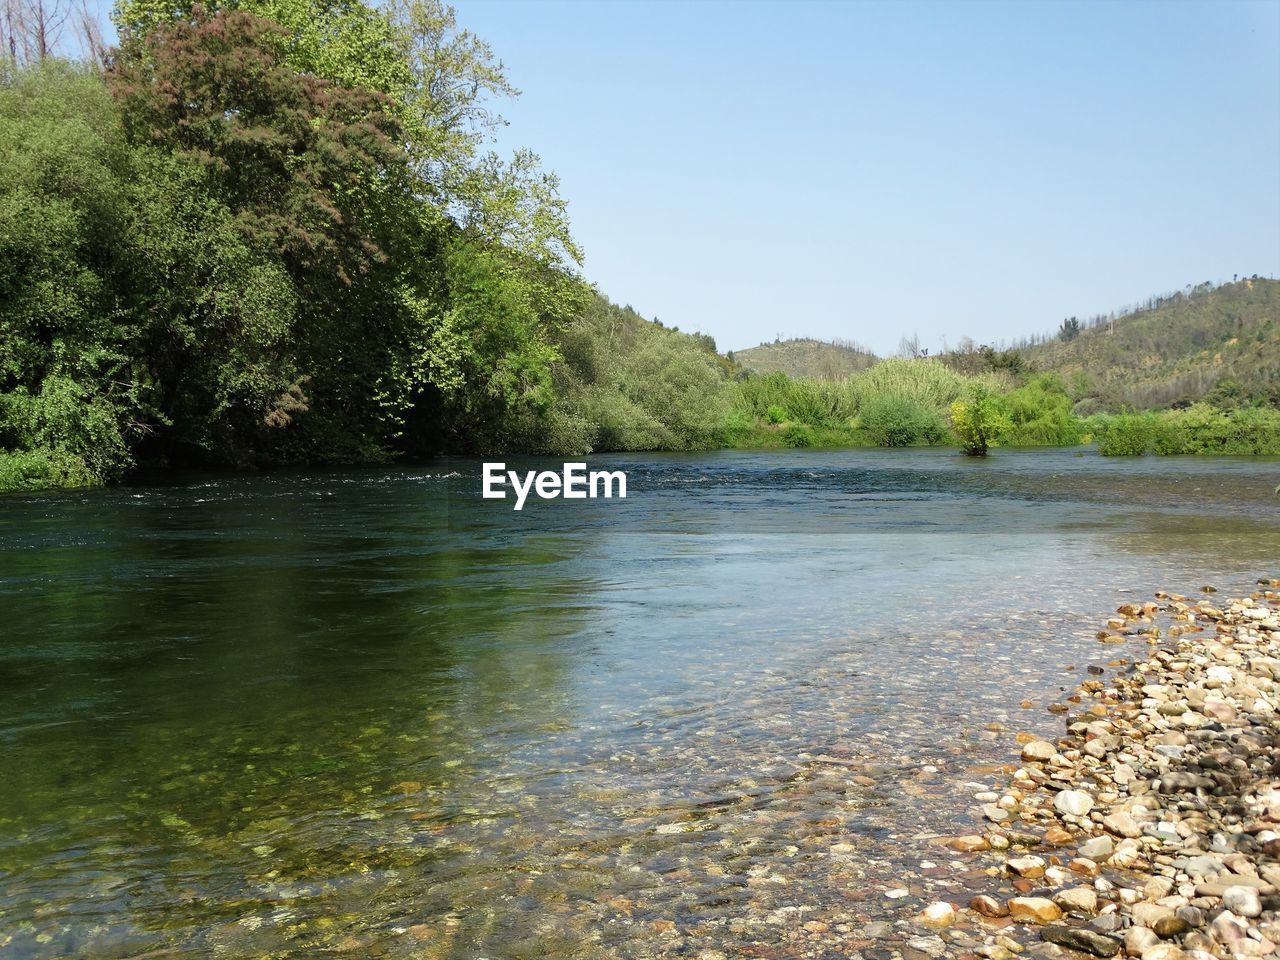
(1243, 901)
(1163, 951)
(1149, 914)
(1079, 938)
(988, 907)
(996, 814)
(1097, 848)
(1079, 899)
(1122, 825)
(1029, 867)
(1037, 909)
(1075, 803)
(931, 946)
(940, 914)
(1038, 750)
(1138, 939)
(1179, 782)
(1220, 885)
(1170, 927)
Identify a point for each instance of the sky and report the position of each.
(869, 170)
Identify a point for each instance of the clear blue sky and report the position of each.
(865, 170)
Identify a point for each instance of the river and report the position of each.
(365, 713)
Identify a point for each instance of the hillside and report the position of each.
(805, 357)
(1174, 350)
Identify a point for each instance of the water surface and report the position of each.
(364, 713)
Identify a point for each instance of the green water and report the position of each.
(365, 713)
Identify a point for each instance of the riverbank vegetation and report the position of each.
(273, 232)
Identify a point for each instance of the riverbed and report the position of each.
(367, 713)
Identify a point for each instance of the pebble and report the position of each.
(1242, 900)
(1081, 938)
(1034, 909)
(1175, 766)
(940, 914)
(1075, 803)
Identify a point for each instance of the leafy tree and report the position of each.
(66, 181)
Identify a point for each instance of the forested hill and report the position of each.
(806, 357)
(1218, 342)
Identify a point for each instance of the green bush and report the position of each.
(39, 469)
(928, 383)
(978, 420)
(1202, 429)
(797, 435)
(1040, 415)
(1126, 434)
(775, 414)
(901, 421)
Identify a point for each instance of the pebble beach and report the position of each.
(1151, 827)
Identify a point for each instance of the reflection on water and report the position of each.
(367, 713)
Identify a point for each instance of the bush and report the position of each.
(37, 469)
(901, 421)
(1126, 434)
(1202, 429)
(927, 382)
(1040, 415)
(978, 420)
(797, 435)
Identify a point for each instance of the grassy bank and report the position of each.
(904, 403)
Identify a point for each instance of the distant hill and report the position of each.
(1222, 342)
(805, 357)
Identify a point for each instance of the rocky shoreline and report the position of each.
(1151, 828)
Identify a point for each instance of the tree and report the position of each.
(978, 420)
(1069, 330)
(301, 183)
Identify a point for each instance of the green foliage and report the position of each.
(928, 383)
(1199, 430)
(66, 198)
(1040, 414)
(1126, 435)
(43, 469)
(797, 435)
(627, 383)
(978, 420)
(900, 420)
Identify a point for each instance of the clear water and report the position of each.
(365, 713)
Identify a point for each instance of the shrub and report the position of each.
(797, 435)
(928, 382)
(978, 420)
(37, 469)
(1040, 414)
(1202, 429)
(775, 414)
(1126, 434)
(901, 421)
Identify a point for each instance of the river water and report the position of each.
(366, 713)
